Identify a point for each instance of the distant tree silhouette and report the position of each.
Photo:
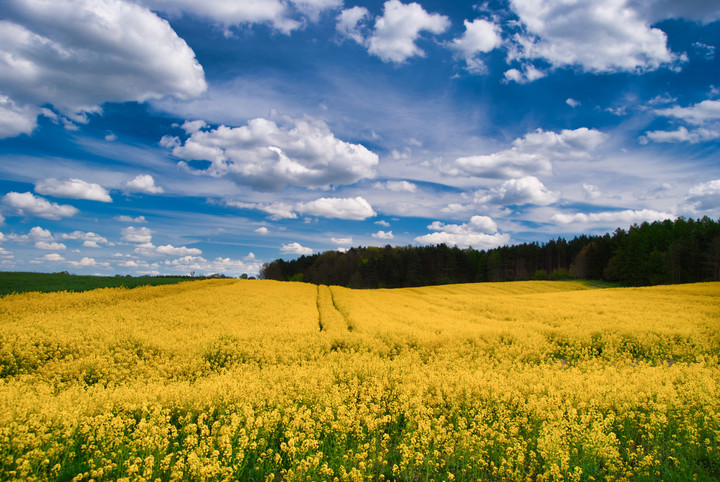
(679, 251)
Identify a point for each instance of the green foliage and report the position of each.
(19, 282)
(663, 252)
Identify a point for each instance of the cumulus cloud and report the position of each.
(262, 230)
(87, 262)
(144, 183)
(268, 156)
(218, 265)
(89, 239)
(704, 117)
(591, 191)
(534, 153)
(394, 34)
(704, 196)
(572, 102)
(397, 186)
(481, 36)
(39, 234)
(52, 257)
(129, 219)
(73, 189)
(27, 204)
(480, 233)
(682, 134)
(295, 248)
(603, 36)
(698, 114)
(528, 73)
(277, 210)
(655, 10)
(342, 241)
(356, 208)
(169, 249)
(133, 234)
(383, 235)
(36, 235)
(78, 54)
(526, 190)
(612, 218)
(53, 246)
(349, 23)
(15, 119)
(282, 15)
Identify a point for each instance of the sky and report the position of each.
(182, 137)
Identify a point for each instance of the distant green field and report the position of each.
(18, 282)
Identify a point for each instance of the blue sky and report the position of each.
(175, 136)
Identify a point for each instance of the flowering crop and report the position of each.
(262, 380)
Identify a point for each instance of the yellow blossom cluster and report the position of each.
(262, 380)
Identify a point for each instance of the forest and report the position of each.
(663, 252)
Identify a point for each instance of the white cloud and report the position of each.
(136, 235)
(395, 32)
(529, 73)
(534, 153)
(601, 36)
(526, 190)
(698, 114)
(50, 246)
(169, 249)
(144, 183)
(295, 248)
(284, 16)
(89, 239)
(681, 134)
(262, 230)
(383, 223)
(219, 265)
(73, 189)
(591, 191)
(397, 186)
(383, 235)
(356, 208)
(704, 196)
(480, 37)
(88, 262)
(277, 210)
(572, 102)
(480, 233)
(78, 54)
(655, 10)
(129, 219)
(611, 218)
(14, 119)
(342, 241)
(39, 234)
(27, 204)
(704, 116)
(53, 257)
(348, 23)
(268, 156)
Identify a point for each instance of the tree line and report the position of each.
(663, 252)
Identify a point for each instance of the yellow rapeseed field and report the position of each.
(262, 380)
